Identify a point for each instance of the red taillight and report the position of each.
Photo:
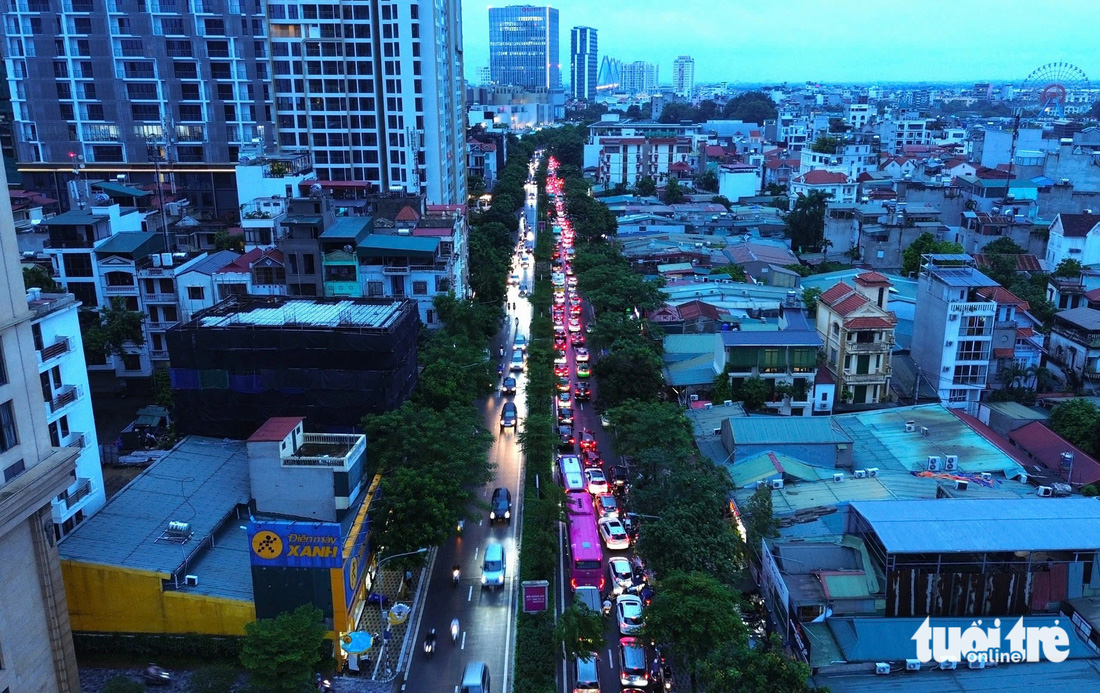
(573, 584)
(602, 583)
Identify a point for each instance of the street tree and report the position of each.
(751, 107)
(580, 631)
(639, 425)
(733, 666)
(282, 653)
(117, 327)
(760, 521)
(683, 539)
(632, 372)
(674, 194)
(691, 615)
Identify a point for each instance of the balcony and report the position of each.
(440, 267)
(162, 325)
(158, 354)
(159, 298)
(58, 348)
(337, 450)
(1005, 325)
(395, 269)
(77, 440)
(65, 396)
(868, 347)
(83, 490)
(120, 289)
(851, 378)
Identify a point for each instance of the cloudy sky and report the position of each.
(827, 40)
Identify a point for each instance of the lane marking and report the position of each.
(463, 645)
(470, 594)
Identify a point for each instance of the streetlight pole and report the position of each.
(381, 601)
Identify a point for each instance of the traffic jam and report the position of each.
(601, 532)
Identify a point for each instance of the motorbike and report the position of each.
(429, 644)
(454, 630)
(155, 676)
(456, 572)
(323, 684)
(502, 351)
(460, 526)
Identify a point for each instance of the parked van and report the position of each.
(494, 567)
(587, 676)
(475, 678)
(508, 416)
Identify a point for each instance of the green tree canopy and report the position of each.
(760, 522)
(692, 614)
(36, 277)
(751, 107)
(223, 240)
(707, 181)
(646, 187)
(282, 653)
(630, 372)
(809, 298)
(475, 185)
(674, 194)
(753, 391)
(806, 221)
(117, 327)
(639, 425)
(1077, 421)
(580, 631)
(924, 244)
(826, 145)
(1068, 268)
(733, 666)
(735, 272)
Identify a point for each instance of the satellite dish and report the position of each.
(101, 198)
(244, 160)
(315, 190)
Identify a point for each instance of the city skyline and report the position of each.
(938, 41)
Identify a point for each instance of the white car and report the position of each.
(607, 505)
(514, 280)
(560, 359)
(629, 610)
(521, 342)
(582, 355)
(595, 481)
(574, 325)
(614, 536)
(621, 573)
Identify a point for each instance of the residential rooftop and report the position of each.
(280, 311)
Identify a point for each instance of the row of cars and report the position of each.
(625, 582)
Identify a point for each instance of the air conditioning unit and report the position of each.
(949, 344)
(933, 464)
(986, 476)
(976, 663)
(777, 483)
(953, 317)
(882, 668)
(1023, 478)
(912, 665)
(693, 398)
(948, 666)
(1044, 491)
(860, 474)
(910, 426)
(191, 580)
(717, 431)
(951, 463)
(838, 477)
(924, 431)
(708, 405)
(947, 369)
(961, 484)
(727, 403)
(872, 471)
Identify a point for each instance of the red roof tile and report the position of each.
(1024, 332)
(1046, 446)
(1078, 225)
(714, 150)
(680, 166)
(822, 177)
(275, 429)
(850, 304)
(870, 323)
(695, 309)
(1004, 353)
(835, 293)
(1002, 296)
(407, 213)
(824, 377)
(871, 279)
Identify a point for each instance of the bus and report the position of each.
(585, 557)
(567, 465)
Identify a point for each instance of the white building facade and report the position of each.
(683, 76)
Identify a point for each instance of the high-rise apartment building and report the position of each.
(583, 63)
(638, 77)
(683, 76)
(373, 87)
(523, 47)
(36, 644)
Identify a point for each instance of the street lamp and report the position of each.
(381, 601)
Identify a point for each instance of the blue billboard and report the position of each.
(279, 544)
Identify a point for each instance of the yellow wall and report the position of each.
(108, 599)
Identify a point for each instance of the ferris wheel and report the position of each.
(1050, 88)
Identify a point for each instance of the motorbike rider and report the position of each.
(454, 629)
(429, 642)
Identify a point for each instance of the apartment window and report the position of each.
(8, 437)
(64, 91)
(374, 288)
(14, 470)
(192, 112)
(141, 111)
(189, 91)
(131, 362)
(970, 375)
(196, 293)
(3, 365)
(420, 288)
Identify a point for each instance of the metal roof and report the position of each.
(698, 370)
(119, 190)
(961, 276)
(201, 481)
(737, 338)
(309, 312)
(773, 465)
(976, 526)
(130, 242)
(214, 262)
(377, 245)
(75, 217)
(355, 228)
(764, 430)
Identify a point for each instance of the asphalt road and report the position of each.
(486, 617)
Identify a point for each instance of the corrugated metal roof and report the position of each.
(355, 228)
(694, 371)
(307, 312)
(762, 430)
(973, 526)
(806, 338)
(131, 241)
(199, 482)
(773, 465)
(119, 190)
(845, 585)
(214, 262)
(377, 245)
